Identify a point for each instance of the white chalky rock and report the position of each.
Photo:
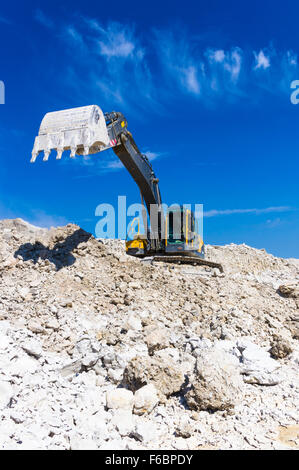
(4, 326)
(90, 360)
(145, 431)
(53, 324)
(35, 326)
(33, 348)
(133, 323)
(80, 443)
(4, 341)
(113, 444)
(115, 375)
(145, 399)
(23, 366)
(119, 398)
(257, 365)
(23, 292)
(6, 393)
(123, 421)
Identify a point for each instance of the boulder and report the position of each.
(119, 398)
(145, 399)
(123, 421)
(133, 323)
(166, 376)
(257, 365)
(289, 290)
(216, 384)
(280, 347)
(156, 338)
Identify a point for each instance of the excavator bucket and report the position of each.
(81, 130)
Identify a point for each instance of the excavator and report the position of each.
(171, 235)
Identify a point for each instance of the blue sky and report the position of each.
(205, 87)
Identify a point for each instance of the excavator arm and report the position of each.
(134, 161)
(87, 130)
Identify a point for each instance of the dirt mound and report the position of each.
(81, 305)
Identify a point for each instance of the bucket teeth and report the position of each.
(46, 155)
(34, 156)
(73, 152)
(59, 154)
(86, 150)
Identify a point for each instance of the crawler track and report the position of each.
(194, 260)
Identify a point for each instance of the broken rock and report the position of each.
(280, 348)
(145, 399)
(156, 338)
(167, 376)
(119, 398)
(257, 365)
(289, 290)
(6, 393)
(123, 421)
(216, 384)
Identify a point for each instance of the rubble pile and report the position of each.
(99, 350)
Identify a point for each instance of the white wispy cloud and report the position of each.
(262, 61)
(204, 73)
(257, 211)
(72, 33)
(233, 64)
(119, 42)
(113, 165)
(191, 79)
(106, 162)
(43, 19)
(111, 60)
(224, 68)
(122, 67)
(216, 56)
(36, 217)
(40, 218)
(292, 58)
(153, 155)
(272, 223)
(177, 62)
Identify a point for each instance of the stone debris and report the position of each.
(124, 422)
(145, 399)
(289, 290)
(156, 338)
(164, 373)
(257, 365)
(280, 347)
(103, 351)
(6, 393)
(119, 399)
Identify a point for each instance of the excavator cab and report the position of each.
(182, 235)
